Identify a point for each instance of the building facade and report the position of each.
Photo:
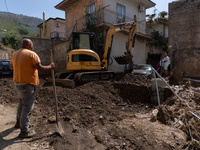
(103, 14)
(52, 28)
(158, 45)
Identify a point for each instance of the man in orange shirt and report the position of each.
(25, 64)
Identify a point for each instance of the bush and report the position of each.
(11, 39)
(22, 31)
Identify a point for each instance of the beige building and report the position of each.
(104, 13)
(158, 45)
(52, 28)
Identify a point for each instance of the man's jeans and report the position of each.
(26, 95)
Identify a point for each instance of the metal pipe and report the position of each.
(195, 115)
(191, 79)
(169, 86)
(157, 89)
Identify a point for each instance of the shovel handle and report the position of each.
(54, 86)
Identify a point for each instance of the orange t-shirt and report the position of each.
(23, 62)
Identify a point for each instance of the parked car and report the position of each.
(4, 67)
(143, 69)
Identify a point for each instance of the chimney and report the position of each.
(43, 24)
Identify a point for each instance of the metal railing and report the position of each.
(98, 17)
(56, 34)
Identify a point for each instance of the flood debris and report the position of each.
(114, 114)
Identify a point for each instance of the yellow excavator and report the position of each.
(83, 62)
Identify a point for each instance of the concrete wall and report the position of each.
(42, 48)
(60, 55)
(5, 52)
(184, 28)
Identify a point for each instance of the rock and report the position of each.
(154, 115)
(52, 119)
(66, 118)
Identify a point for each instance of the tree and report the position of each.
(163, 14)
(158, 40)
(22, 31)
(151, 17)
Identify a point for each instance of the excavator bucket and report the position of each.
(123, 59)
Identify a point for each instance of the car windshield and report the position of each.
(141, 67)
(4, 63)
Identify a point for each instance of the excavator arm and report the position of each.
(127, 58)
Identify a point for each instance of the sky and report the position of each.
(35, 8)
(161, 5)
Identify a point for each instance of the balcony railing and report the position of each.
(103, 15)
(56, 34)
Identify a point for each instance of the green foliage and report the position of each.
(11, 39)
(22, 31)
(20, 21)
(150, 19)
(16, 27)
(162, 16)
(90, 27)
(158, 40)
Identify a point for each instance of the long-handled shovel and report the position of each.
(58, 124)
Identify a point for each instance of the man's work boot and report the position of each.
(26, 135)
(17, 125)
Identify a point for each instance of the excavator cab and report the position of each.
(84, 40)
(83, 55)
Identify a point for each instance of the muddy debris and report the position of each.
(112, 115)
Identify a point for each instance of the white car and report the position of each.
(143, 69)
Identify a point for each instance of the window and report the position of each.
(90, 13)
(120, 13)
(83, 58)
(84, 41)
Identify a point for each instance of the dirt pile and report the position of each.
(135, 79)
(110, 115)
(176, 113)
(8, 93)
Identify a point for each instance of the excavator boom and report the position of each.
(127, 58)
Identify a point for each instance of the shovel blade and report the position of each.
(60, 129)
(123, 59)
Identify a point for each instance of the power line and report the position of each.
(156, 9)
(8, 14)
(6, 5)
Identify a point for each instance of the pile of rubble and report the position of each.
(182, 114)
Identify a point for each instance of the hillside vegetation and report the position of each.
(17, 26)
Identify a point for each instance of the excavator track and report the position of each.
(84, 77)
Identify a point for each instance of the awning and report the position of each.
(65, 4)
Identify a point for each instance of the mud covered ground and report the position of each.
(109, 115)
